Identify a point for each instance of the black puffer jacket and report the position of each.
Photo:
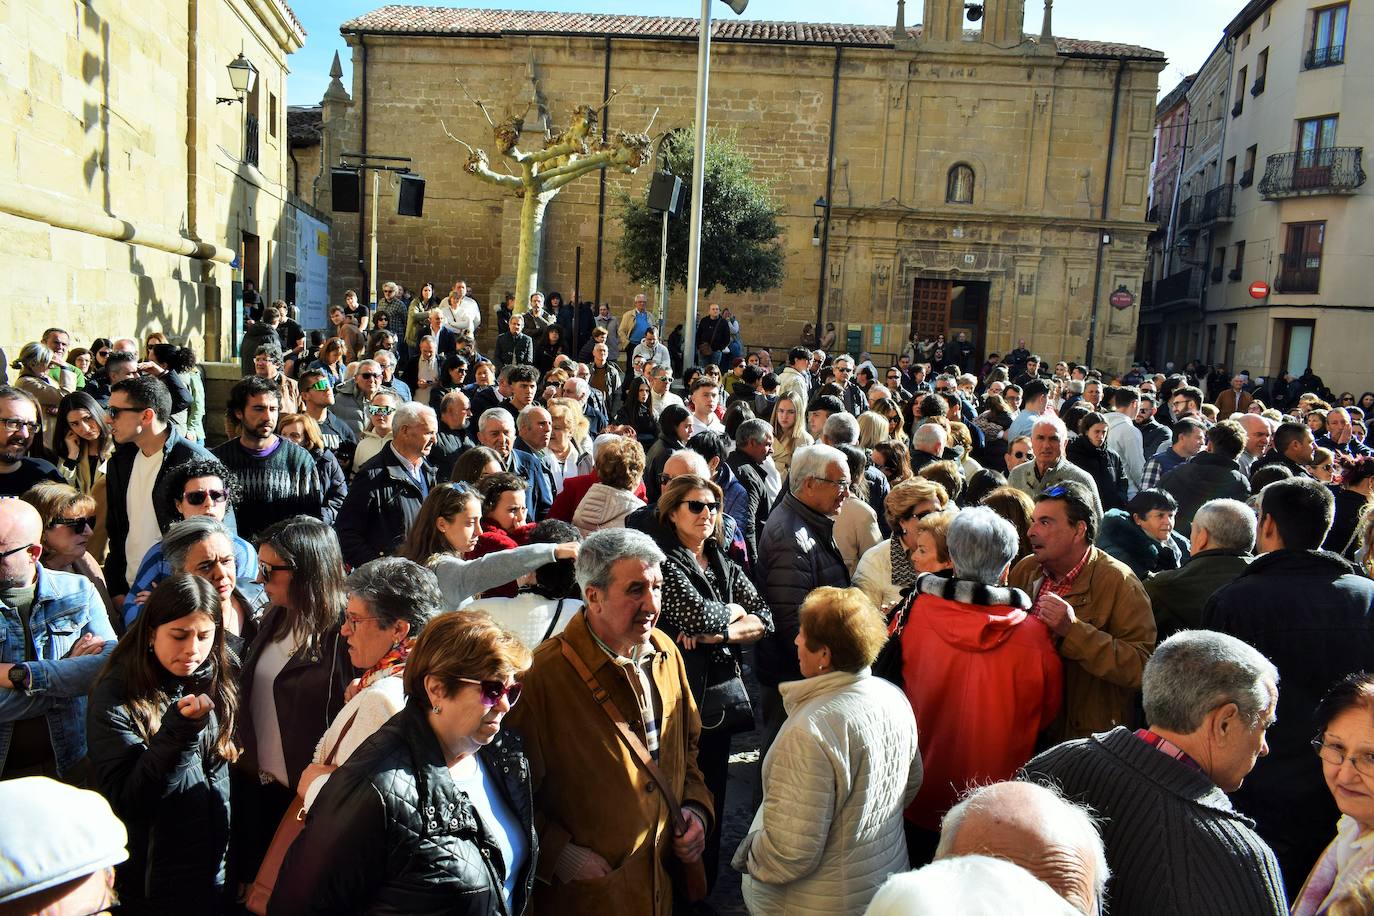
(171, 792)
(1123, 539)
(391, 833)
(1208, 476)
(1104, 466)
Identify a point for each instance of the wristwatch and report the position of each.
(19, 676)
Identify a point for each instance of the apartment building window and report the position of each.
(959, 185)
(1300, 265)
(1237, 270)
(272, 113)
(1218, 263)
(1247, 175)
(1245, 40)
(1230, 171)
(1316, 139)
(1261, 71)
(1242, 81)
(1327, 48)
(1268, 15)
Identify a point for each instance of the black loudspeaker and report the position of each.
(345, 188)
(412, 199)
(665, 193)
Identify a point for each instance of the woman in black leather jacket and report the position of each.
(433, 814)
(1089, 451)
(160, 738)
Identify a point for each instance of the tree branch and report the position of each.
(476, 102)
(554, 179)
(562, 148)
(478, 167)
(455, 139)
(652, 118)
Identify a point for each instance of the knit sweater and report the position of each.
(280, 485)
(1174, 843)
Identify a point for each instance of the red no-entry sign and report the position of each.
(1259, 289)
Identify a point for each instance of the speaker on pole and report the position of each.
(412, 199)
(665, 193)
(345, 186)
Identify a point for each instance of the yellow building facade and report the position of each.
(977, 178)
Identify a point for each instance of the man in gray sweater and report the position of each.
(1174, 842)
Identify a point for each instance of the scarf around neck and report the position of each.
(392, 663)
(903, 573)
(966, 591)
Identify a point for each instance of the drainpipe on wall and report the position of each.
(829, 191)
(362, 185)
(601, 174)
(1102, 215)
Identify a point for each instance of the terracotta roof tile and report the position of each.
(430, 20)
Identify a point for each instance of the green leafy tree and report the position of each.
(741, 246)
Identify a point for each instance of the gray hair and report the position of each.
(981, 543)
(366, 364)
(1194, 671)
(579, 385)
(843, 357)
(752, 432)
(412, 413)
(1229, 522)
(971, 885)
(523, 421)
(499, 414)
(184, 535)
(390, 357)
(1075, 386)
(33, 356)
(1058, 424)
(1073, 823)
(811, 462)
(927, 435)
(968, 378)
(602, 549)
(841, 429)
(395, 588)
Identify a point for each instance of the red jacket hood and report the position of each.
(970, 627)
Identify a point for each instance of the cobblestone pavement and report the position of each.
(741, 800)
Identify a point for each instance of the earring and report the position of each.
(434, 709)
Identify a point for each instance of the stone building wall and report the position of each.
(1032, 123)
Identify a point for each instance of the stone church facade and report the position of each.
(981, 180)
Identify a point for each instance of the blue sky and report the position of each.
(1185, 30)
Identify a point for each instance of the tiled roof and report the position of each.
(430, 20)
(304, 124)
(1175, 96)
(291, 14)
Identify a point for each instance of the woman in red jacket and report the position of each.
(981, 672)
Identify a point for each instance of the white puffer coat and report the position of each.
(835, 783)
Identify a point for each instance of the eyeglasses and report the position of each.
(16, 425)
(267, 569)
(842, 484)
(349, 619)
(368, 375)
(78, 525)
(493, 691)
(198, 497)
(321, 385)
(1335, 755)
(11, 552)
(113, 412)
(103, 354)
(1018, 454)
(382, 411)
(697, 506)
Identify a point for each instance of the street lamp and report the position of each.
(699, 167)
(818, 208)
(243, 76)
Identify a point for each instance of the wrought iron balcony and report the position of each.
(1182, 288)
(1331, 56)
(1305, 173)
(1216, 206)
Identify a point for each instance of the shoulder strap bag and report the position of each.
(693, 873)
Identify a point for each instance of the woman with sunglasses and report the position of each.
(69, 519)
(201, 486)
(886, 568)
(435, 814)
(380, 410)
(293, 679)
(710, 607)
(453, 375)
(160, 732)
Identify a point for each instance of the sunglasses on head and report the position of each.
(1056, 491)
(78, 525)
(198, 497)
(493, 691)
(697, 506)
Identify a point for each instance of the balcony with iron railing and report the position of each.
(1216, 206)
(1307, 173)
(1330, 56)
(1182, 288)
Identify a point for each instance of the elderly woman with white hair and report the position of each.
(1174, 842)
(969, 886)
(981, 669)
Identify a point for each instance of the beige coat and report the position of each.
(1105, 651)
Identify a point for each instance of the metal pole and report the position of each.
(372, 263)
(698, 181)
(663, 275)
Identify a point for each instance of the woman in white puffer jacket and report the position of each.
(839, 774)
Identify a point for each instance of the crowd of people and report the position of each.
(403, 627)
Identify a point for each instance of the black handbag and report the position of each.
(889, 663)
(722, 702)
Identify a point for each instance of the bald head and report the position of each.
(20, 526)
(1258, 433)
(1033, 827)
(686, 462)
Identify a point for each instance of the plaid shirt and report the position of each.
(1061, 587)
(1159, 464)
(641, 666)
(1165, 746)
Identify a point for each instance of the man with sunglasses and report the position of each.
(57, 635)
(317, 397)
(147, 444)
(598, 811)
(354, 395)
(18, 429)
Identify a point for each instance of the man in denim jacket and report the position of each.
(53, 643)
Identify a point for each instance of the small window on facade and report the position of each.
(272, 113)
(959, 187)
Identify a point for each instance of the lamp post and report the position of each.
(243, 76)
(699, 171)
